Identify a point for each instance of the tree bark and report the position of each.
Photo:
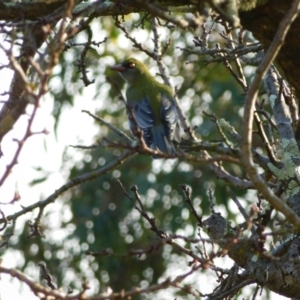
(263, 22)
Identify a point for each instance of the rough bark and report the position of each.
(263, 22)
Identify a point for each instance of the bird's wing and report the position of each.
(145, 118)
(170, 118)
(144, 114)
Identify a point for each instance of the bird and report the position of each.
(152, 104)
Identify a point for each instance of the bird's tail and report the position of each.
(161, 141)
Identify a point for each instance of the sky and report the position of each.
(39, 150)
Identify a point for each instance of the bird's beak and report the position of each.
(118, 68)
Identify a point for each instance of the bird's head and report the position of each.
(131, 69)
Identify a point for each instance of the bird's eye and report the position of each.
(131, 65)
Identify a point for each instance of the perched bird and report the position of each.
(152, 104)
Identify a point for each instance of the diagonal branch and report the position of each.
(247, 159)
(73, 182)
